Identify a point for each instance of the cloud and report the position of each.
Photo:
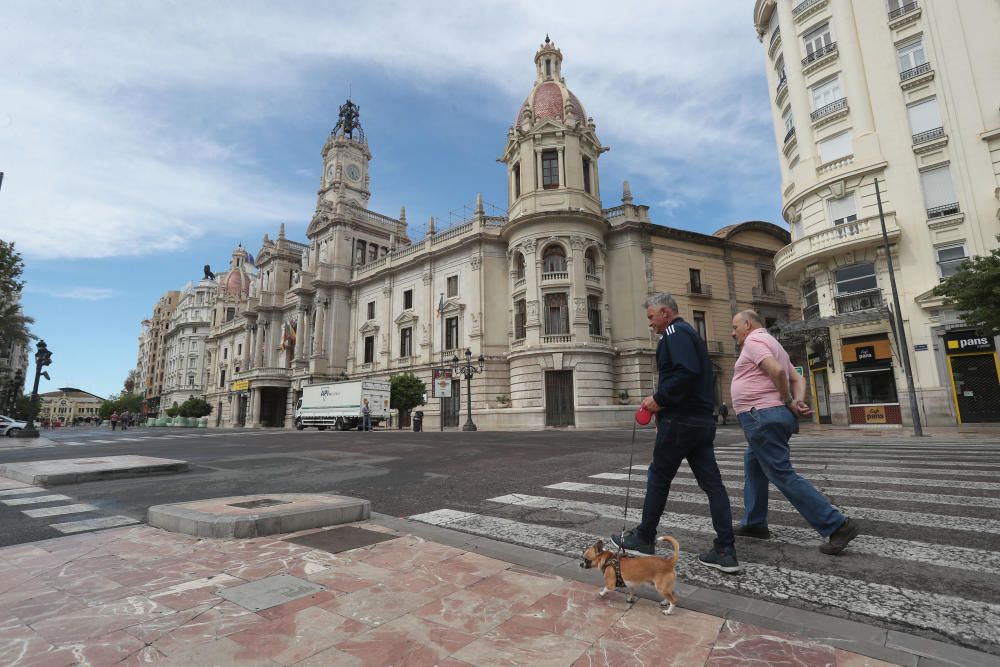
(76, 293)
(120, 124)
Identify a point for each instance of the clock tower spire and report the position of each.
(345, 160)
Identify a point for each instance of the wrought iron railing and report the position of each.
(819, 53)
(771, 296)
(699, 289)
(866, 300)
(904, 9)
(929, 135)
(914, 71)
(810, 312)
(941, 211)
(830, 108)
(789, 135)
(775, 35)
(782, 84)
(804, 5)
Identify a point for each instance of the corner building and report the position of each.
(905, 92)
(550, 294)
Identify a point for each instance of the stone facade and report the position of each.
(151, 360)
(904, 93)
(67, 405)
(184, 343)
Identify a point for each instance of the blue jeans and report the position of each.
(767, 460)
(677, 439)
(367, 423)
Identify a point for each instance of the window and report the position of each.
(910, 55)
(826, 93)
(767, 281)
(694, 276)
(586, 175)
(843, 209)
(194, 330)
(590, 262)
(518, 265)
(939, 193)
(372, 252)
(239, 349)
(786, 116)
(818, 39)
(548, 67)
(451, 333)
(406, 342)
(550, 170)
(225, 353)
(779, 70)
(452, 284)
(857, 278)
(222, 378)
(556, 315)
(699, 324)
(924, 116)
(949, 258)
(517, 180)
(520, 319)
(872, 387)
(407, 299)
(230, 314)
(554, 259)
(359, 252)
(835, 147)
(371, 310)
(369, 349)
(594, 315)
(190, 380)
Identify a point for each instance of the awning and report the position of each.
(807, 326)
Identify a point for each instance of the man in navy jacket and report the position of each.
(683, 404)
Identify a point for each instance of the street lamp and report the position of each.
(42, 358)
(12, 392)
(468, 371)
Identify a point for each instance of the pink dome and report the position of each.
(548, 99)
(235, 282)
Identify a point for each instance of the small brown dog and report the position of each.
(631, 571)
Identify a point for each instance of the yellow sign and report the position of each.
(240, 385)
(875, 415)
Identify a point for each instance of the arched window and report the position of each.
(554, 259)
(518, 265)
(590, 261)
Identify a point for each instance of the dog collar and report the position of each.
(615, 562)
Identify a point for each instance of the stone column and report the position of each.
(254, 417)
(532, 268)
(302, 335)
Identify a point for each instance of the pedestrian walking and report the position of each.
(768, 397)
(114, 420)
(123, 419)
(724, 413)
(685, 430)
(366, 414)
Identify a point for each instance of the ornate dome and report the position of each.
(550, 98)
(236, 281)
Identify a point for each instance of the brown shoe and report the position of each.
(840, 538)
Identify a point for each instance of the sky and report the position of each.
(142, 140)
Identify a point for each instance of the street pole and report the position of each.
(904, 348)
(42, 358)
(441, 317)
(468, 371)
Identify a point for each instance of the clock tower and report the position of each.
(345, 160)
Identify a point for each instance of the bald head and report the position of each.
(744, 322)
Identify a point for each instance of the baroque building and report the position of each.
(549, 295)
(152, 358)
(903, 93)
(184, 343)
(68, 406)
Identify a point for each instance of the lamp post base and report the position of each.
(469, 426)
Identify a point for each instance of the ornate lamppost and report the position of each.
(468, 371)
(11, 393)
(42, 358)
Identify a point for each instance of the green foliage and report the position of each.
(120, 403)
(407, 392)
(975, 292)
(194, 407)
(11, 268)
(22, 408)
(173, 410)
(502, 399)
(13, 323)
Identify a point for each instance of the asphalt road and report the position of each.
(927, 563)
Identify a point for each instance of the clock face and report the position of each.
(353, 172)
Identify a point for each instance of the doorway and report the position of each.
(451, 407)
(273, 403)
(559, 409)
(821, 395)
(977, 390)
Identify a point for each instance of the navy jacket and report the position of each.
(687, 384)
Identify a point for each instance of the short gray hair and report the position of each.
(752, 316)
(662, 299)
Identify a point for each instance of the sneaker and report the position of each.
(725, 561)
(840, 538)
(630, 541)
(756, 532)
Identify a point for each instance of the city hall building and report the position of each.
(550, 295)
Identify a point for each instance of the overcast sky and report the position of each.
(142, 140)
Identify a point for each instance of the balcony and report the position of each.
(593, 277)
(781, 94)
(716, 346)
(264, 373)
(555, 275)
(916, 76)
(699, 290)
(811, 312)
(775, 42)
(829, 112)
(807, 8)
(858, 301)
(519, 283)
(942, 211)
(914, 71)
(904, 9)
(768, 297)
(601, 340)
(929, 135)
(904, 15)
(557, 338)
(791, 259)
(820, 56)
(789, 135)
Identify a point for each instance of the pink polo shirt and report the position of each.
(752, 387)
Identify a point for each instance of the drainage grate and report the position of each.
(270, 592)
(262, 502)
(336, 540)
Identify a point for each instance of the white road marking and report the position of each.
(61, 509)
(976, 560)
(837, 460)
(892, 516)
(70, 442)
(131, 439)
(867, 468)
(899, 481)
(101, 442)
(93, 524)
(34, 500)
(971, 621)
(22, 490)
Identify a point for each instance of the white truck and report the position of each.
(339, 404)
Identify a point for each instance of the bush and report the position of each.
(194, 407)
(173, 410)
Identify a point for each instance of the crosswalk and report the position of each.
(928, 558)
(148, 436)
(32, 497)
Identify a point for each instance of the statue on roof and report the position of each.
(349, 121)
(208, 273)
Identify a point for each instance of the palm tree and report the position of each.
(14, 324)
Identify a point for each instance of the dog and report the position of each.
(635, 570)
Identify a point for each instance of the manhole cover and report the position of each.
(263, 502)
(270, 592)
(336, 540)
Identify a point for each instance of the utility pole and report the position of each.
(904, 347)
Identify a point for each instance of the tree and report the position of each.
(120, 403)
(11, 268)
(975, 292)
(195, 407)
(13, 323)
(407, 392)
(131, 381)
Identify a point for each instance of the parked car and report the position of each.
(10, 426)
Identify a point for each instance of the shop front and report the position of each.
(972, 363)
(870, 380)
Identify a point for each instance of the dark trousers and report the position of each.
(689, 438)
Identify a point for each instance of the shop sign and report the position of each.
(920, 347)
(799, 370)
(875, 414)
(865, 354)
(956, 343)
(240, 385)
(442, 382)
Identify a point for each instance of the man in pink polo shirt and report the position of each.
(768, 398)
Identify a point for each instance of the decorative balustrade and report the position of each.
(457, 230)
(857, 301)
(834, 239)
(904, 9)
(941, 211)
(517, 342)
(364, 215)
(768, 296)
(929, 135)
(520, 282)
(603, 340)
(830, 108)
(555, 275)
(557, 338)
(907, 74)
(593, 277)
(804, 5)
(614, 212)
(820, 53)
